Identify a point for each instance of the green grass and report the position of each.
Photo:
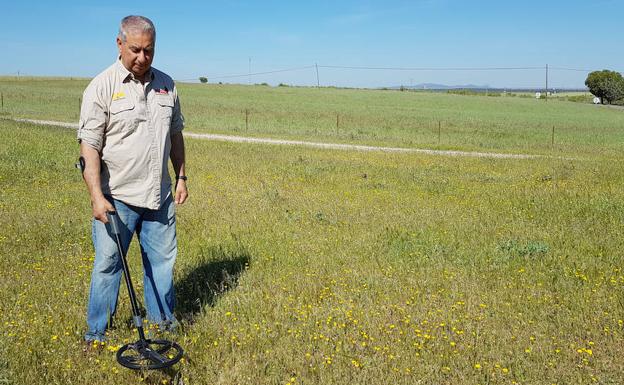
(309, 266)
(392, 118)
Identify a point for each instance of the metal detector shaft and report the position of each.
(136, 315)
(143, 354)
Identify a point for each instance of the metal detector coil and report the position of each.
(145, 354)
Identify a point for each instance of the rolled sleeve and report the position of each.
(177, 120)
(93, 117)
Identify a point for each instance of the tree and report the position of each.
(606, 85)
(203, 79)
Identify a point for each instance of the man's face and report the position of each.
(137, 52)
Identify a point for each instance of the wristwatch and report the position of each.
(183, 177)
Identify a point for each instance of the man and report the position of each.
(130, 124)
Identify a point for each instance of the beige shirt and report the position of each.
(131, 125)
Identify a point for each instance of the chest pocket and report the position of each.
(122, 115)
(119, 106)
(165, 107)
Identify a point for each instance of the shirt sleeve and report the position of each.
(93, 118)
(177, 120)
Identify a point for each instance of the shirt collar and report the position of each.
(125, 74)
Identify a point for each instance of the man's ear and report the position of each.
(119, 43)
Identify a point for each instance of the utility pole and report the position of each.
(249, 73)
(318, 84)
(546, 82)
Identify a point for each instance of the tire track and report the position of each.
(331, 146)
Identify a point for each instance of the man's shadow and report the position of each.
(216, 272)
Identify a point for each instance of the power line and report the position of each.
(317, 66)
(376, 68)
(570, 69)
(261, 73)
(434, 68)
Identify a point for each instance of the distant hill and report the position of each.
(479, 88)
(434, 86)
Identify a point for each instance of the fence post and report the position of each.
(337, 122)
(79, 105)
(2, 98)
(246, 119)
(552, 139)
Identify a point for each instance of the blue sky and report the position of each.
(217, 38)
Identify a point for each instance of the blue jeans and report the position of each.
(156, 233)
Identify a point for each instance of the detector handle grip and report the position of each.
(114, 222)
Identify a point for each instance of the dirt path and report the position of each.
(333, 146)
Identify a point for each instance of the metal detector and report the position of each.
(145, 353)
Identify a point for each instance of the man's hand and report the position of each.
(181, 192)
(101, 206)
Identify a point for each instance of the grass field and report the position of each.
(304, 266)
(407, 119)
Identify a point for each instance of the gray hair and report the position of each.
(135, 24)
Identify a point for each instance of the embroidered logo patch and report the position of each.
(162, 91)
(118, 95)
